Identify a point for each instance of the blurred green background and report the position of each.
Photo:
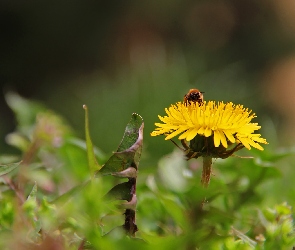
(128, 56)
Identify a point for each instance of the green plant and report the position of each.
(61, 192)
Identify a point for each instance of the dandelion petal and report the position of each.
(216, 138)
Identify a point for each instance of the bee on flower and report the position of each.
(212, 129)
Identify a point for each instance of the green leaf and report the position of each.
(283, 209)
(61, 200)
(31, 208)
(5, 169)
(93, 165)
(244, 238)
(129, 151)
(132, 132)
(30, 205)
(121, 191)
(118, 162)
(32, 195)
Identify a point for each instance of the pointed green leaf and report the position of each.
(32, 195)
(93, 165)
(31, 208)
(30, 204)
(7, 168)
(118, 162)
(131, 134)
(121, 191)
(129, 150)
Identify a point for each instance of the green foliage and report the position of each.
(57, 197)
(92, 163)
(5, 169)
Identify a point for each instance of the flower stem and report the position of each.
(207, 169)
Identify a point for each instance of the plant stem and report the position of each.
(129, 225)
(207, 169)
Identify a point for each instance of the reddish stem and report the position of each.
(207, 170)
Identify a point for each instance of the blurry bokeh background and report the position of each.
(140, 56)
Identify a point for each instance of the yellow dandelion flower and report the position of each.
(225, 123)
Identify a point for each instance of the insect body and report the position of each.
(194, 95)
